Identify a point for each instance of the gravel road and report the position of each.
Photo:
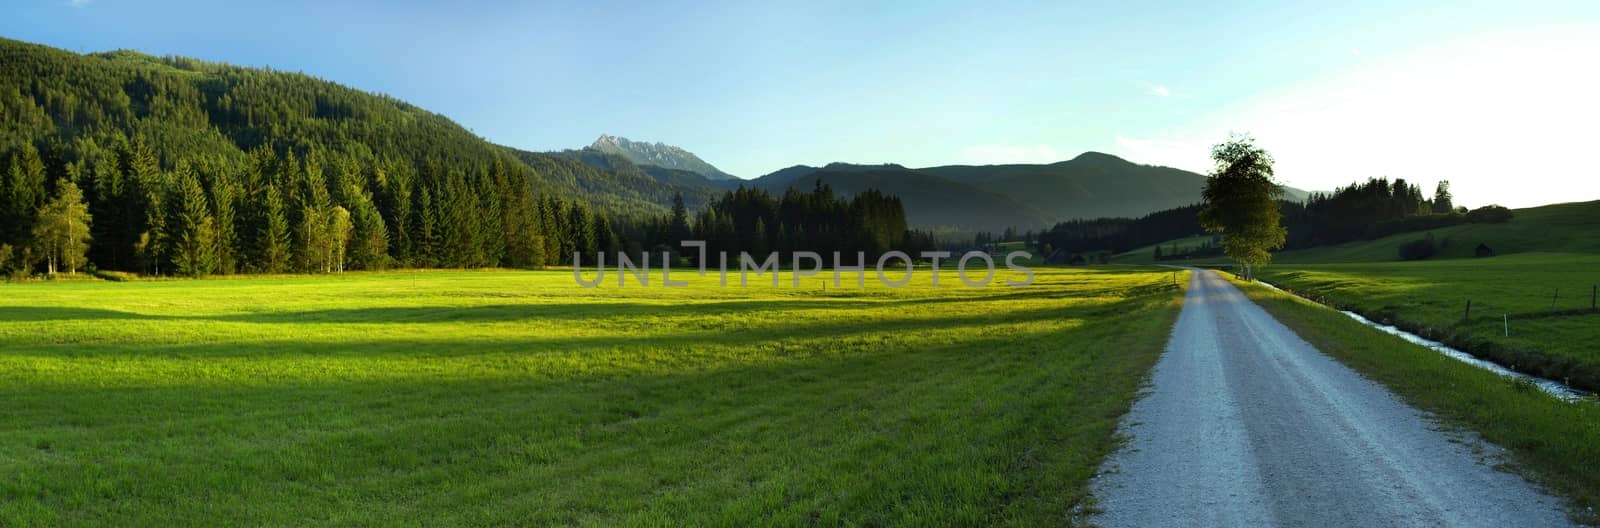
(1245, 424)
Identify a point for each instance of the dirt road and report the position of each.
(1245, 424)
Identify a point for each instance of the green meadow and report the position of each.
(1530, 311)
(501, 397)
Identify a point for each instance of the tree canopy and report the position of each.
(1241, 203)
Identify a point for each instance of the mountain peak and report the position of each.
(1101, 157)
(658, 154)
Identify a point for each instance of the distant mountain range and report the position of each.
(960, 197)
(658, 155)
(1092, 185)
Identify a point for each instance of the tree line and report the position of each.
(1366, 210)
(293, 174)
(118, 209)
(754, 221)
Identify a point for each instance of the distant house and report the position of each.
(1483, 250)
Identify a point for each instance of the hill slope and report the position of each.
(1557, 228)
(188, 109)
(195, 168)
(930, 201)
(1092, 185)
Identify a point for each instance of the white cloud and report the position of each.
(1159, 91)
(1000, 154)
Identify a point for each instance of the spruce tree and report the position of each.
(194, 240)
(426, 230)
(312, 243)
(274, 250)
(224, 195)
(21, 195)
(581, 226)
(1443, 202)
(369, 243)
(680, 219)
(154, 246)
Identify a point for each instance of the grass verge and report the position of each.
(1558, 441)
(1543, 298)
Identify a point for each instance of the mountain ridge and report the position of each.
(1090, 185)
(658, 154)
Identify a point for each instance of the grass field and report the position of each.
(1557, 440)
(495, 398)
(1572, 228)
(1559, 228)
(1429, 298)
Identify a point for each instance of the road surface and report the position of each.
(1245, 424)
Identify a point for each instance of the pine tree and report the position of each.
(680, 219)
(426, 229)
(274, 239)
(495, 194)
(224, 195)
(397, 190)
(194, 243)
(21, 195)
(605, 239)
(581, 226)
(557, 239)
(369, 243)
(313, 247)
(121, 201)
(61, 233)
(1443, 202)
(758, 242)
(155, 242)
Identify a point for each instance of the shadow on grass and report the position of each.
(565, 311)
(771, 331)
(246, 451)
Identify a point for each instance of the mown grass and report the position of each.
(518, 398)
(1147, 254)
(1560, 342)
(1557, 440)
(1558, 228)
(1572, 228)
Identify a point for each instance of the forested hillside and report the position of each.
(194, 168)
(930, 201)
(1022, 196)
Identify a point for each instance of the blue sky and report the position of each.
(1338, 90)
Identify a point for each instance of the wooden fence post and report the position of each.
(1553, 297)
(1506, 320)
(1468, 315)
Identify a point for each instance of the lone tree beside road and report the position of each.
(1241, 203)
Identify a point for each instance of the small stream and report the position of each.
(1553, 387)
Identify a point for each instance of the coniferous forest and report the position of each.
(174, 166)
(1366, 210)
